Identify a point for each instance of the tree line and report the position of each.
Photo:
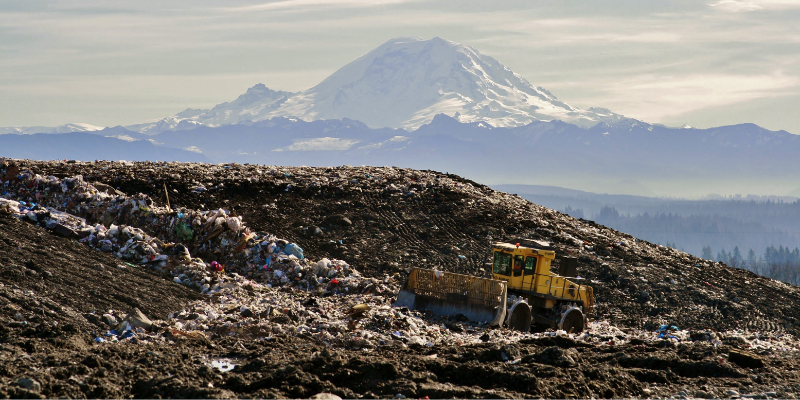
(779, 263)
(689, 232)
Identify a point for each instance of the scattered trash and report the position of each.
(30, 384)
(139, 320)
(263, 285)
(293, 249)
(224, 364)
(217, 266)
(664, 332)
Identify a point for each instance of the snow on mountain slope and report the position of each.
(77, 127)
(66, 128)
(406, 81)
(403, 83)
(257, 101)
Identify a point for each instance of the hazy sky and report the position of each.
(702, 63)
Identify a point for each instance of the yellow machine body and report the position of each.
(523, 291)
(446, 293)
(526, 270)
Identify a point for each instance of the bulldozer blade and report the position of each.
(445, 294)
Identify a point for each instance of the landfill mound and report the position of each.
(194, 280)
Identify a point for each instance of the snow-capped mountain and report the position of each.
(259, 100)
(403, 83)
(66, 128)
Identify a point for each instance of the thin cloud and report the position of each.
(653, 98)
(305, 4)
(754, 5)
(567, 31)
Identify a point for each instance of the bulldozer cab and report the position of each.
(520, 265)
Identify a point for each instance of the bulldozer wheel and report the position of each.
(520, 318)
(572, 321)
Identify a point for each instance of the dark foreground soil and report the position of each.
(53, 292)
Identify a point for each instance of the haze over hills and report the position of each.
(66, 128)
(629, 157)
(87, 146)
(722, 223)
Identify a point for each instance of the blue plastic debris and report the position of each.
(664, 331)
(668, 327)
(293, 249)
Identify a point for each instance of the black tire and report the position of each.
(520, 319)
(573, 321)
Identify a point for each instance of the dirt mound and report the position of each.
(382, 221)
(48, 279)
(397, 219)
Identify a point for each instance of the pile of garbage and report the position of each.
(135, 229)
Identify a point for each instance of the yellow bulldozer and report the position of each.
(524, 292)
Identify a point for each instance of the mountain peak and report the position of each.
(257, 93)
(258, 86)
(404, 83)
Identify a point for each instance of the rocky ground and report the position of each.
(238, 311)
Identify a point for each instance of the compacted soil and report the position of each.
(734, 332)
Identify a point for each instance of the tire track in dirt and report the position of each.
(762, 325)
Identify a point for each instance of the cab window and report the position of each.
(502, 263)
(530, 265)
(518, 261)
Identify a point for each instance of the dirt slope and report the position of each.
(381, 220)
(401, 218)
